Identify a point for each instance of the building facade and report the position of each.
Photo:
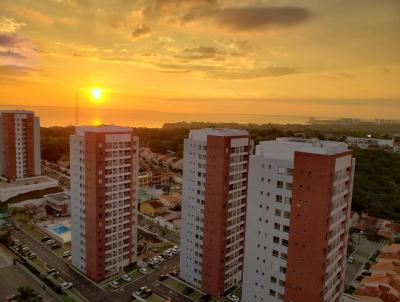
(19, 144)
(298, 216)
(213, 209)
(104, 165)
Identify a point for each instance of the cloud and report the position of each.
(260, 18)
(11, 54)
(35, 16)
(201, 52)
(8, 40)
(140, 31)
(9, 25)
(15, 70)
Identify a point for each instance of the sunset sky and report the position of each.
(288, 57)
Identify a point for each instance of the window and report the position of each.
(286, 214)
(275, 253)
(272, 292)
(281, 170)
(285, 242)
(276, 239)
(288, 186)
(282, 269)
(277, 226)
(278, 212)
(273, 279)
(289, 171)
(286, 228)
(282, 283)
(279, 184)
(278, 198)
(283, 256)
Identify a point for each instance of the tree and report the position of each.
(26, 294)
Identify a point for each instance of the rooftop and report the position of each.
(80, 130)
(285, 147)
(18, 111)
(201, 134)
(25, 182)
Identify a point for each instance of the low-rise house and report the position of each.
(58, 204)
(384, 282)
(37, 212)
(171, 200)
(152, 208)
(166, 220)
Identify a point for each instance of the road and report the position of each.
(87, 288)
(151, 280)
(361, 255)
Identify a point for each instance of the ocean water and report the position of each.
(64, 116)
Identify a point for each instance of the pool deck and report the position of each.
(63, 237)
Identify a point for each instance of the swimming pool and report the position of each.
(59, 228)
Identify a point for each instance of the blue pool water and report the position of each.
(59, 228)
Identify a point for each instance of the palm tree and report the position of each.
(26, 294)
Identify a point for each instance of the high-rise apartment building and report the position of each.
(104, 165)
(213, 208)
(19, 144)
(298, 210)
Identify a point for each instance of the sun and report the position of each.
(96, 93)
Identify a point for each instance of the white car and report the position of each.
(114, 284)
(350, 259)
(67, 254)
(69, 258)
(233, 298)
(126, 278)
(50, 242)
(143, 270)
(66, 285)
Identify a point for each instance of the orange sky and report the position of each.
(298, 57)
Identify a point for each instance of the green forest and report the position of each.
(377, 175)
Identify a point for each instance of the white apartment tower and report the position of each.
(19, 144)
(298, 211)
(104, 167)
(215, 168)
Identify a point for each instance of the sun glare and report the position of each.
(96, 93)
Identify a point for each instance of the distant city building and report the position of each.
(369, 142)
(213, 208)
(154, 178)
(58, 204)
(396, 143)
(19, 144)
(104, 164)
(298, 216)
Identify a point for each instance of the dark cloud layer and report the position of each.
(141, 30)
(201, 52)
(7, 40)
(256, 18)
(11, 54)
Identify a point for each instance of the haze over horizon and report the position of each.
(288, 58)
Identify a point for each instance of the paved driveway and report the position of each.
(361, 255)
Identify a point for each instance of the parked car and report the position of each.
(366, 273)
(55, 246)
(50, 270)
(143, 270)
(187, 290)
(126, 278)
(153, 265)
(32, 256)
(173, 273)
(147, 293)
(350, 259)
(162, 277)
(44, 239)
(66, 285)
(140, 291)
(67, 254)
(50, 242)
(233, 298)
(69, 258)
(114, 284)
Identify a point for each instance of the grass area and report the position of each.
(34, 194)
(155, 298)
(174, 284)
(66, 298)
(133, 274)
